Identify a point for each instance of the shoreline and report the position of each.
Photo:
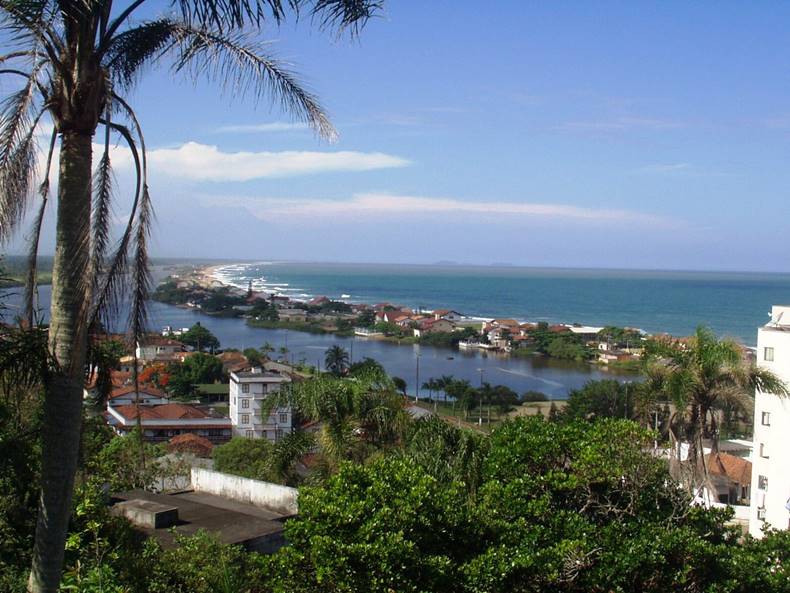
(210, 277)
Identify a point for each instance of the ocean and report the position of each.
(733, 304)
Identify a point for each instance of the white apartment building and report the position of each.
(770, 500)
(248, 393)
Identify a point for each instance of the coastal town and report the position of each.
(200, 290)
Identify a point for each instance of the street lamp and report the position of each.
(480, 415)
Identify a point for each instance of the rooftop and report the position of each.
(232, 522)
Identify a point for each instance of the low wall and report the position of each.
(280, 499)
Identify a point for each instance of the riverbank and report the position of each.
(204, 289)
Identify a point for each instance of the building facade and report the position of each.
(250, 413)
(770, 491)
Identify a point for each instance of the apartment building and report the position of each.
(770, 490)
(250, 413)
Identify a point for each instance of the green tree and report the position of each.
(336, 360)
(197, 368)
(200, 338)
(696, 377)
(358, 416)
(74, 61)
(606, 399)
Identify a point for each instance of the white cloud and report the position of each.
(620, 124)
(201, 162)
(660, 168)
(277, 126)
(389, 206)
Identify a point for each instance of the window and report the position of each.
(283, 418)
(768, 354)
(245, 403)
(245, 387)
(245, 418)
(249, 434)
(766, 418)
(762, 482)
(763, 450)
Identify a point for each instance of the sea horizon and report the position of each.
(733, 304)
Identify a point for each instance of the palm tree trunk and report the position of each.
(68, 343)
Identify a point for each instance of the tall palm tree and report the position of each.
(337, 360)
(74, 61)
(698, 377)
(356, 415)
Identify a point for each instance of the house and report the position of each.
(432, 326)
(318, 301)
(587, 333)
(447, 314)
(161, 422)
(147, 395)
(731, 477)
(250, 413)
(153, 347)
(605, 356)
(297, 315)
(191, 443)
(233, 361)
(770, 486)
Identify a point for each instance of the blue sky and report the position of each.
(607, 134)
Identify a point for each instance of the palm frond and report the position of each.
(242, 66)
(32, 257)
(18, 153)
(103, 184)
(126, 53)
(345, 15)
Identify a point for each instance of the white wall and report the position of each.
(774, 438)
(280, 499)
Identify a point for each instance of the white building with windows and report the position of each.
(249, 413)
(770, 500)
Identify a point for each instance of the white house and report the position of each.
(249, 412)
(770, 500)
(153, 347)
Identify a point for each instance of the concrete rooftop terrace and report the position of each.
(233, 522)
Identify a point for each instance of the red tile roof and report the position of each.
(171, 411)
(191, 443)
(146, 389)
(736, 468)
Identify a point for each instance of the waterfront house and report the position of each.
(432, 326)
(251, 414)
(447, 314)
(298, 315)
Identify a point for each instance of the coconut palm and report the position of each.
(698, 377)
(337, 360)
(75, 60)
(357, 416)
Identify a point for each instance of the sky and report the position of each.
(598, 134)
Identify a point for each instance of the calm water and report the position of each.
(555, 378)
(732, 304)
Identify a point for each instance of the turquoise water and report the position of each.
(731, 303)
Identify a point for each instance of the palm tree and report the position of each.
(337, 360)
(698, 377)
(356, 415)
(267, 349)
(75, 60)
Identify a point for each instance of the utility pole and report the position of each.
(417, 389)
(480, 415)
